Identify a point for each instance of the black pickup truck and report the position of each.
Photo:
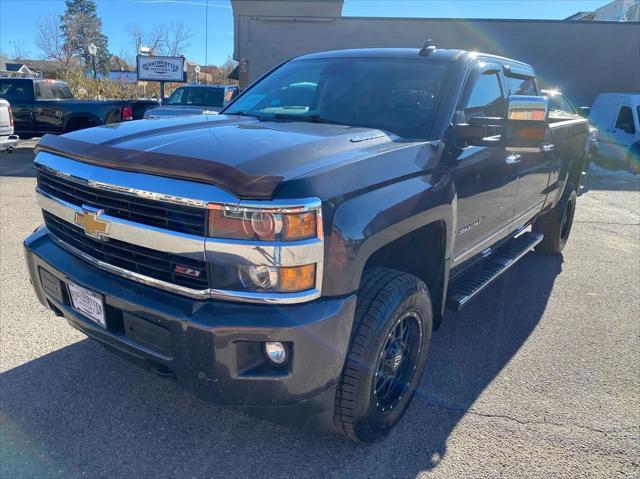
(47, 106)
(292, 255)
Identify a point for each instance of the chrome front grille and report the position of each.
(173, 217)
(144, 261)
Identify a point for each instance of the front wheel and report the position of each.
(556, 224)
(387, 354)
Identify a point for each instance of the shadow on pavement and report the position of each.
(81, 410)
(20, 162)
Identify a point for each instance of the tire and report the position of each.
(379, 376)
(556, 224)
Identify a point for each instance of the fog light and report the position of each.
(276, 352)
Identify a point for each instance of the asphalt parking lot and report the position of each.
(537, 378)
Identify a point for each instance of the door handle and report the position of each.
(548, 147)
(513, 159)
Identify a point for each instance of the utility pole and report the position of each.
(206, 39)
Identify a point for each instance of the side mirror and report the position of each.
(527, 122)
(479, 131)
(584, 111)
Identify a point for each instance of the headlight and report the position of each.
(277, 258)
(262, 225)
(265, 279)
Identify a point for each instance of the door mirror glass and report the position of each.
(527, 121)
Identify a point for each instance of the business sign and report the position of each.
(160, 68)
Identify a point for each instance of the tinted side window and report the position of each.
(522, 86)
(48, 90)
(625, 120)
(559, 102)
(485, 98)
(16, 91)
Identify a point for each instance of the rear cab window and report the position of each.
(48, 90)
(16, 91)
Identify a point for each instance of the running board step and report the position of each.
(464, 289)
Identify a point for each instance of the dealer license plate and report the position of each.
(88, 303)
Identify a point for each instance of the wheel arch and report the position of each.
(421, 253)
(407, 226)
(81, 117)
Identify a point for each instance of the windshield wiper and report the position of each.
(309, 118)
(251, 113)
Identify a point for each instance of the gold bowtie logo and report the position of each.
(92, 226)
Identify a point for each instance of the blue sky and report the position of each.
(18, 18)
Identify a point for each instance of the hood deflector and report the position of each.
(188, 168)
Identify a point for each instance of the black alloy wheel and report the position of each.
(397, 362)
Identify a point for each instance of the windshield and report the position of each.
(197, 96)
(396, 95)
(46, 90)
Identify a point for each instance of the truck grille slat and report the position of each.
(169, 216)
(152, 263)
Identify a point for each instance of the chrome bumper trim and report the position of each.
(299, 253)
(241, 297)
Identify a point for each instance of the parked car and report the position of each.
(292, 257)
(561, 107)
(195, 100)
(48, 106)
(8, 140)
(617, 117)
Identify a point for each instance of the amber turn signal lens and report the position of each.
(297, 278)
(300, 226)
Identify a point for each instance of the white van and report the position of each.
(617, 117)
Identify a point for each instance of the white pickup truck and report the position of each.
(8, 140)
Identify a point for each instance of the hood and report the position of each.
(178, 110)
(247, 157)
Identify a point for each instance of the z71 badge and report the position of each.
(194, 273)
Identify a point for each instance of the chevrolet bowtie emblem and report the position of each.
(93, 226)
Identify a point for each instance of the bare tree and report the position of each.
(136, 35)
(49, 39)
(154, 40)
(177, 39)
(20, 51)
(169, 40)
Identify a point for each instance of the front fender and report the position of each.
(364, 224)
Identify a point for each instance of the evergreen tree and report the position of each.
(80, 26)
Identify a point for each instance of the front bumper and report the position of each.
(8, 142)
(213, 348)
